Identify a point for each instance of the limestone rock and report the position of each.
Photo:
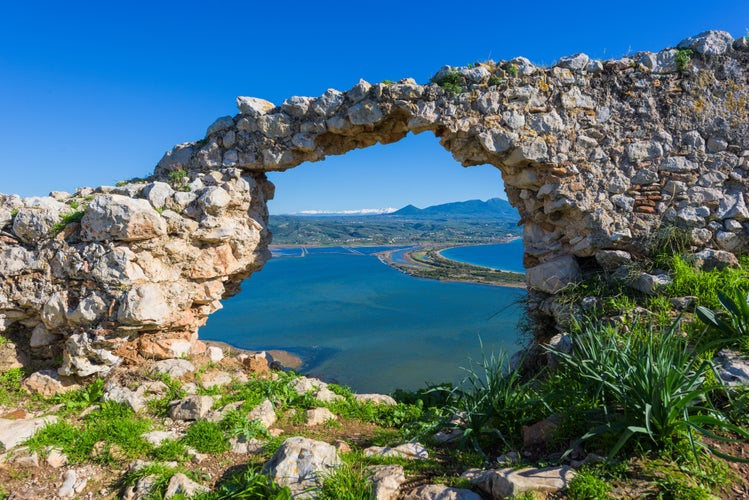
(319, 416)
(376, 399)
(191, 408)
(47, 383)
(709, 43)
(215, 379)
(175, 368)
(215, 354)
(385, 479)
(158, 437)
(552, 276)
(410, 451)
(441, 492)
(180, 484)
(709, 259)
(733, 368)
(253, 106)
(119, 218)
(69, 479)
(14, 432)
(300, 463)
(265, 412)
(503, 483)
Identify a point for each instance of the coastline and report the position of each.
(287, 359)
(425, 260)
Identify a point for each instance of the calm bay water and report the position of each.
(504, 256)
(360, 323)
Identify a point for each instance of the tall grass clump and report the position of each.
(650, 387)
(686, 280)
(493, 403)
(735, 327)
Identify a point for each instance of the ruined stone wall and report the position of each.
(597, 156)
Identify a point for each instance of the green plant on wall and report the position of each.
(683, 58)
(178, 180)
(451, 82)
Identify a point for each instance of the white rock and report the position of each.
(503, 483)
(377, 399)
(265, 412)
(410, 451)
(253, 106)
(441, 492)
(180, 484)
(710, 43)
(385, 479)
(175, 368)
(215, 354)
(14, 432)
(319, 416)
(300, 463)
(67, 490)
(191, 408)
(117, 217)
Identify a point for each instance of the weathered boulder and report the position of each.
(301, 463)
(385, 479)
(116, 217)
(15, 432)
(505, 483)
(441, 492)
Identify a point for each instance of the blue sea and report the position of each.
(358, 322)
(504, 256)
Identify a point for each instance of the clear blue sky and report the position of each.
(95, 92)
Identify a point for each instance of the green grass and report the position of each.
(588, 486)
(115, 425)
(65, 219)
(206, 437)
(451, 82)
(10, 386)
(347, 482)
(249, 484)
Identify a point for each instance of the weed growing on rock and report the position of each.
(178, 180)
(451, 82)
(683, 58)
(65, 219)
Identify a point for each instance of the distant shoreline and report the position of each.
(425, 260)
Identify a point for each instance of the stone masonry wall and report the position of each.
(599, 157)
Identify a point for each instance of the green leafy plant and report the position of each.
(588, 486)
(236, 423)
(178, 179)
(452, 82)
(81, 398)
(495, 80)
(736, 327)
(683, 58)
(206, 437)
(10, 385)
(67, 218)
(347, 482)
(493, 403)
(249, 484)
(651, 386)
(512, 70)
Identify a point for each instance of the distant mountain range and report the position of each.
(472, 221)
(493, 208)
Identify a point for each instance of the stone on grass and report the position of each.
(15, 432)
(709, 259)
(242, 446)
(441, 492)
(47, 383)
(215, 379)
(409, 451)
(377, 399)
(215, 354)
(733, 368)
(319, 416)
(385, 479)
(300, 463)
(56, 458)
(191, 408)
(265, 412)
(180, 484)
(158, 437)
(503, 483)
(539, 433)
(175, 368)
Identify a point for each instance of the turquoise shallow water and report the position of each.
(360, 323)
(504, 256)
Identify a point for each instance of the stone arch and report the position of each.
(594, 155)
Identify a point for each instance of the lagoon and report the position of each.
(360, 323)
(504, 256)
